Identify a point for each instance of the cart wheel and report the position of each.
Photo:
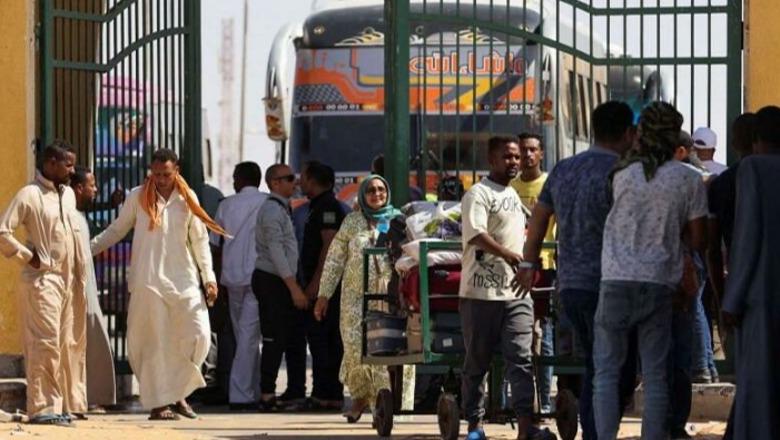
(449, 417)
(383, 414)
(566, 414)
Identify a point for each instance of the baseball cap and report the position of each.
(704, 138)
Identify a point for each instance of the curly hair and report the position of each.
(659, 135)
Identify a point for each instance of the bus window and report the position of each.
(571, 103)
(583, 108)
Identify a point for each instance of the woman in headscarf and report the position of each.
(344, 263)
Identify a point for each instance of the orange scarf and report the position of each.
(148, 203)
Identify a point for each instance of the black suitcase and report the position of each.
(385, 334)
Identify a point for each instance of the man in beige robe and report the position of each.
(168, 332)
(51, 288)
(101, 380)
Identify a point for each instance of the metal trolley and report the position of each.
(448, 410)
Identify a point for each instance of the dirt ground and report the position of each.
(245, 426)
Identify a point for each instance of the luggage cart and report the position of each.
(448, 410)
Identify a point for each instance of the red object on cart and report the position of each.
(443, 288)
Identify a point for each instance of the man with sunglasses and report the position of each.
(273, 281)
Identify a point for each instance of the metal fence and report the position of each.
(119, 79)
(461, 71)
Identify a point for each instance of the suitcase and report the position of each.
(446, 336)
(385, 334)
(443, 288)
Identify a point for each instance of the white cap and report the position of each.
(704, 139)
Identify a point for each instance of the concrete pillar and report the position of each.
(762, 39)
(18, 63)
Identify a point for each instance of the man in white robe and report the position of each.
(101, 378)
(168, 329)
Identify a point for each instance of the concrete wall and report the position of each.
(762, 41)
(17, 126)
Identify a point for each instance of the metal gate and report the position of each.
(462, 70)
(119, 79)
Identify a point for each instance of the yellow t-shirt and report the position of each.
(529, 193)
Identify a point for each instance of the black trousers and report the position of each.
(327, 350)
(276, 310)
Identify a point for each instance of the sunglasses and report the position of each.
(376, 190)
(288, 178)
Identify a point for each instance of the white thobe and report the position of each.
(168, 333)
(101, 378)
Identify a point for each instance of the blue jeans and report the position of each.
(680, 357)
(579, 307)
(545, 373)
(702, 338)
(623, 306)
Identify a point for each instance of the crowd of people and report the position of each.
(646, 224)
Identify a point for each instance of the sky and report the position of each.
(701, 101)
(265, 18)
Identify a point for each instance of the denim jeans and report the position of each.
(623, 306)
(545, 374)
(702, 338)
(579, 307)
(680, 358)
(703, 359)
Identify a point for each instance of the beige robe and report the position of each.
(51, 299)
(168, 333)
(101, 379)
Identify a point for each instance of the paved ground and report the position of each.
(253, 426)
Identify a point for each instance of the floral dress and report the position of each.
(345, 260)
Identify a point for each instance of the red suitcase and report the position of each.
(443, 288)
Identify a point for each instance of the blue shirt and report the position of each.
(578, 191)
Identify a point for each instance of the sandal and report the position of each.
(184, 409)
(356, 412)
(163, 413)
(52, 419)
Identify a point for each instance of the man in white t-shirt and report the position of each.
(492, 314)
(656, 200)
(704, 142)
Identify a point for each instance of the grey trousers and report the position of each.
(492, 325)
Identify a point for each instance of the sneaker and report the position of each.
(714, 375)
(701, 376)
(475, 431)
(476, 434)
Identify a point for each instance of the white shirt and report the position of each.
(237, 214)
(643, 232)
(166, 259)
(497, 211)
(714, 167)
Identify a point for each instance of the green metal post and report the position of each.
(734, 100)
(47, 72)
(193, 124)
(397, 98)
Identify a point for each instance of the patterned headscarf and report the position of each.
(659, 135)
(387, 212)
(148, 202)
